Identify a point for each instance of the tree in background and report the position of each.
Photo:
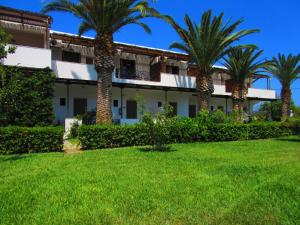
(273, 110)
(206, 43)
(241, 64)
(5, 39)
(286, 70)
(105, 17)
(26, 98)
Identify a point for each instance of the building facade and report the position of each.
(143, 76)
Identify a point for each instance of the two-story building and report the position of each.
(143, 76)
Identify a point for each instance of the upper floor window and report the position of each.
(172, 69)
(89, 60)
(71, 57)
(127, 69)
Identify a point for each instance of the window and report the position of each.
(192, 111)
(174, 108)
(220, 107)
(127, 69)
(89, 60)
(71, 57)
(211, 108)
(80, 106)
(159, 104)
(116, 103)
(172, 69)
(62, 101)
(131, 109)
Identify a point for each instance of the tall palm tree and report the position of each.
(105, 17)
(205, 44)
(286, 70)
(241, 64)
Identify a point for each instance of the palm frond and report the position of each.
(209, 41)
(285, 68)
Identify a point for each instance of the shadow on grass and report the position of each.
(13, 157)
(289, 139)
(163, 149)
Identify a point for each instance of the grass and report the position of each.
(245, 182)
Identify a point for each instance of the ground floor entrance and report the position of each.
(128, 104)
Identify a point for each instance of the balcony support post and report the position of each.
(166, 97)
(249, 106)
(68, 99)
(121, 109)
(226, 108)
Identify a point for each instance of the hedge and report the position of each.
(15, 140)
(26, 96)
(181, 131)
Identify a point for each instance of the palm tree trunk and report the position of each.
(286, 102)
(238, 95)
(104, 66)
(205, 88)
(235, 95)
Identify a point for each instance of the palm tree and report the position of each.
(105, 17)
(205, 44)
(241, 64)
(286, 70)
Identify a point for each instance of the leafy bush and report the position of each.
(273, 110)
(157, 130)
(26, 96)
(177, 130)
(219, 116)
(15, 140)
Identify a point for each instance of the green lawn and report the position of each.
(245, 182)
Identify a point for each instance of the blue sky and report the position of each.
(278, 21)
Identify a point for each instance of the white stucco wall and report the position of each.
(29, 57)
(149, 97)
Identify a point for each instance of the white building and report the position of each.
(154, 75)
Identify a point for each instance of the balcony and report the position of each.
(78, 71)
(29, 57)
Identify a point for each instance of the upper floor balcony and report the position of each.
(78, 71)
(31, 57)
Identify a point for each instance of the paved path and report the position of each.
(71, 148)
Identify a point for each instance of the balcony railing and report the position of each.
(138, 75)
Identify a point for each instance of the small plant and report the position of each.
(219, 116)
(157, 130)
(74, 130)
(140, 104)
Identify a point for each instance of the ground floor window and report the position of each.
(131, 109)
(192, 111)
(80, 106)
(221, 108)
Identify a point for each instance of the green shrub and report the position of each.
(110, 136)
(14, 140)
(179, 130)
(227, 132)
(157, 130)
(219, 116)
(26, 96)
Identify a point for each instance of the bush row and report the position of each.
(15, 140)
(180, 131)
